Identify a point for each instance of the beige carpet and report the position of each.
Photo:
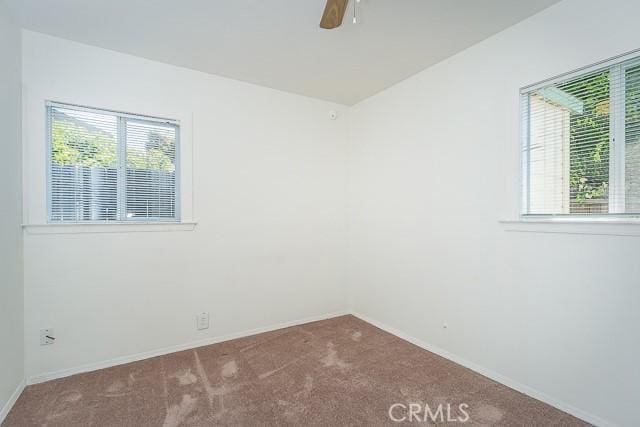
(340, 371)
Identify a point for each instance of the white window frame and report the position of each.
(122, 119)
(617, 67)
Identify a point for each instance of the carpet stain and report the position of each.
(205, 380)
(292, 410)
(72, 396)
(273, 371)
(229, 369)
(120, 387)
(64, 405)
(361, 381)
(185, 377)
(308, 385)
(306, 388)
(177, 414)
(55, 414)
(489, 413)
(332, 359)
(116, 387)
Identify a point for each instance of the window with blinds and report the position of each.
(581, 143)
(110, 166)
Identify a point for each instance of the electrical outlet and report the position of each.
(47, 336)
(202, 321)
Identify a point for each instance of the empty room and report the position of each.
(320, 212)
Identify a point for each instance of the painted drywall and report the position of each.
(434, 166)
(11, 290)
(269, 199)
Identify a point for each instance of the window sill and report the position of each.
(114, 227)
(603, 227)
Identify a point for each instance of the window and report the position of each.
(581, 143)
(109, 166)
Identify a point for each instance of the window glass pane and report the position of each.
(151, 171)
(548, 156)
(632, 139)
(568, 148)
(83, 181)
(589, 144)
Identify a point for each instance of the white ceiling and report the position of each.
(278, 43)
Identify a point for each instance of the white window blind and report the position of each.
(581, 143)
(110, 166)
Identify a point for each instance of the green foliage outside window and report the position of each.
(589, 138)
(75, 145)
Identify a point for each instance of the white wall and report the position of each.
(11, 290)
(434, 166)
(269, 173)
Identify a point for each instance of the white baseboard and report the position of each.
(12, 400)
(522, 388)
(180, 347)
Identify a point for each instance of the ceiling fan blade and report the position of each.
(333, 14)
